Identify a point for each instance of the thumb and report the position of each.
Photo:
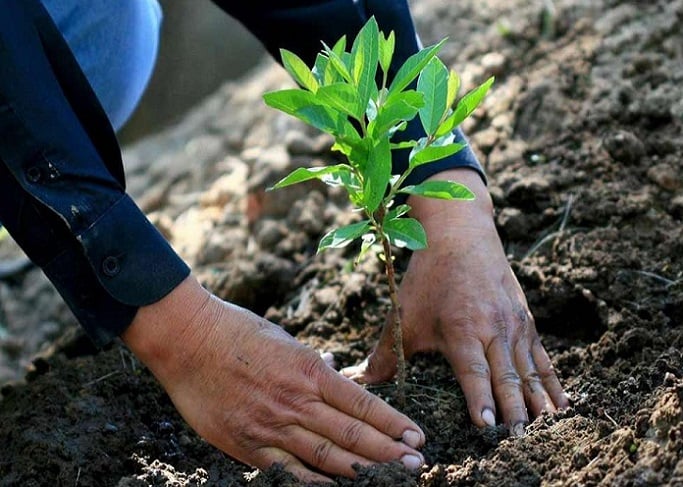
(380, 366)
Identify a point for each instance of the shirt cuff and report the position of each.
(129, 257)
(117, 265)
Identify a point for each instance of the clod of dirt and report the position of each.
(624, 146)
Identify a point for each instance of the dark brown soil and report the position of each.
(582, 138)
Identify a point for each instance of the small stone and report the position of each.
(269, 232)
(494, 64)
(624, 146)
(664, 176)
(308, 214)
(514, 223)
(485, 139)
(530, 192)
(228, 186)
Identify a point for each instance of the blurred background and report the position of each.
(201, 47)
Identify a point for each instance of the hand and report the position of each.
(251, 390)
(460, 297)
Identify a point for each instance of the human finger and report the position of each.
(350, 398)
(546, 372)
(506, 382)
(359, 437)
(468, 360)
(537, 398)
(325, 455)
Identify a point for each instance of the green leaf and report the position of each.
(341, 237)
(433, 153)
(397, 212)
(364, 57)
(302, 174)
(339, 47)
(289, 101)
(342, 177)
(377, 173)
(402, 107)
(386, 50)
(304, 106)
(465, 107)
(408, 144)
(444, 190)
(433, 83)
(324, 118)
(453, 87)
(341, 97)
(397, 128)
(406, 232)
(338, 64)
(298, 69)
(320, 67)
(412, 67)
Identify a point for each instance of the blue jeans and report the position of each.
(115, 43)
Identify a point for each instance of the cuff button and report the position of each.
(33, 174)
(110, 266)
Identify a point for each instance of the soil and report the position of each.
(582, 141)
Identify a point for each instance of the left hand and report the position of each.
(460, 297)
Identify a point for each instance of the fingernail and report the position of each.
(412, 462)
(488, 417)
(411, 438)
(517, 429)
(328, 358)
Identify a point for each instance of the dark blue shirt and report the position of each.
(62, 187)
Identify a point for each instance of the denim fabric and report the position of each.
(115, 42)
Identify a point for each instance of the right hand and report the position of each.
(253, 391)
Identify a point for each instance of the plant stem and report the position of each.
(397, 331)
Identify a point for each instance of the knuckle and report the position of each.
(312, 367)
(532, 381)
(479, 370)
(321, 452)
(509, 378)
(352, 434)
(363, 405)
(547, 373)
(500, 325)
(248, 437)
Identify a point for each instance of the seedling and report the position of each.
(348, 94)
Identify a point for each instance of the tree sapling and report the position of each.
(348, 94)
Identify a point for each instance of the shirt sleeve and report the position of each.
(62, 190)
(301, 25)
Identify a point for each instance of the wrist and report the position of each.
(437, 215)
(166, 334)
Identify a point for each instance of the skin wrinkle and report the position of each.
(479, 369)
(321, 453)
(351, 435)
